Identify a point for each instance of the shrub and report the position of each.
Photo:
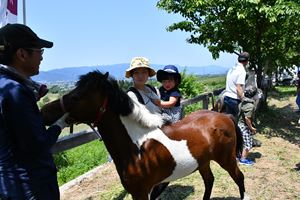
(190, 85)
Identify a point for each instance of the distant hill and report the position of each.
(117, 71)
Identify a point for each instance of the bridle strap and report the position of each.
(96, 131)
(62, 105)
(63, 108)
(100, 113)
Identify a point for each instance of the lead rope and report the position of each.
(97, 132)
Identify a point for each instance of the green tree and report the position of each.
(268, 29)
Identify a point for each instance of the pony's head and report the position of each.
(93, 94)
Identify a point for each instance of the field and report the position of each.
(272, 177)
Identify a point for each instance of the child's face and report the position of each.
(168, 84)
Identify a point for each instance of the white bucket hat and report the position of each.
(139, 62)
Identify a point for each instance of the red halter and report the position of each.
(100, 113)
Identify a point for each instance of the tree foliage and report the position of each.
(268, 29)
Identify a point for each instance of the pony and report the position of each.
(148, 154)
(219, 104)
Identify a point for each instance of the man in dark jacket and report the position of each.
(27, 169)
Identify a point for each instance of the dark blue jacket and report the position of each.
(25, 145)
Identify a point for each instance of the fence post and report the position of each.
(182, 111)
(205, 102)
(71, 128)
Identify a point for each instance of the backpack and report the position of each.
(138, 95)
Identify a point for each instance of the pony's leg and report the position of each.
(232, 168)
(157, 190)
(208, 179)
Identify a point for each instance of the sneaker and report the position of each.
(246, 162)
(238, 157)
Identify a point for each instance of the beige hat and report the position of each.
(139, 62)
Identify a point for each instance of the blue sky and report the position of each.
(98, 32)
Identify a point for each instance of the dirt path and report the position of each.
(272, 177)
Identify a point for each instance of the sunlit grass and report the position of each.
(77, 161)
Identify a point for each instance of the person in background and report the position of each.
(245, 123)
(140, 71)
(298, 93)
(27, 169)
(169, 93)
(235, 81)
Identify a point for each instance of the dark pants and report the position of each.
(232, 106)
(18, 186)
(47, 191)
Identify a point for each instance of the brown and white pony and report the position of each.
(148, 155)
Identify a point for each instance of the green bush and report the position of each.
(190, 85)
(191, 108)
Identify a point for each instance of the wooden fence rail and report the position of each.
(83, 137)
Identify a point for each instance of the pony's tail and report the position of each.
(239, 137)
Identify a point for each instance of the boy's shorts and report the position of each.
(247, 136)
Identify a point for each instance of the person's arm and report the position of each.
(240, 82)
(249, 124)
(25, 121)
(240, 91)
(157, 102)
(168, 104)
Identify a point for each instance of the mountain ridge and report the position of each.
(117, 71)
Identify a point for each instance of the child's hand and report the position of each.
(156, 102)
(253, 130)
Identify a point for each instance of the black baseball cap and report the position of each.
(20, 36)
(244, 56)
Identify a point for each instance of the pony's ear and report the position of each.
(106, 75)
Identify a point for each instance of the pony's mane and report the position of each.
(144, 117)
(118, 101)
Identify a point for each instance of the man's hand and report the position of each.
(62, 122)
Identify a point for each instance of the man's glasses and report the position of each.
(41, 51)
